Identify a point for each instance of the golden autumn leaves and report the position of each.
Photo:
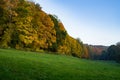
(25, 26)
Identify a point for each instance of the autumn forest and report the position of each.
(25, 26)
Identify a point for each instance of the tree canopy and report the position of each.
(24, 25)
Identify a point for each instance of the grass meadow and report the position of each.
(24, 65)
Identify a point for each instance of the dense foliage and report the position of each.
(102, 52)
(112, 53)
(94, 51)
(24, 25)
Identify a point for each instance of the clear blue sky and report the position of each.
(93, 21)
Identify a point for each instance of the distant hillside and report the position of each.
(97, 49)
(24, 25)
(112, 53)
(94, 51)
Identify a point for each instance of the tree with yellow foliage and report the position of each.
(24, 25)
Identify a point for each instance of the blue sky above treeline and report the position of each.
(93, 21)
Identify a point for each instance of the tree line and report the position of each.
(103, 52)
(24, 25)
(112, 53)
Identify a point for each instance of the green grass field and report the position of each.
(22, 65)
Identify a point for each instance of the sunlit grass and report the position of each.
(21, 65)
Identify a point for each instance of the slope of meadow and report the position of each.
(22, 65)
